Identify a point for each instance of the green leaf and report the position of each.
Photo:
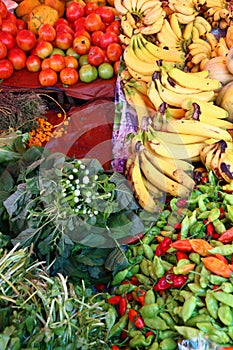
(119, 226)
(6, 180)
(25, 237)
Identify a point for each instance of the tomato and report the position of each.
(6, 69)
(74, 11)
(3, 50)
(47, 32)
(33, 63)
(57, 62)
(45, 63)
(48, 77)
(61, 21)
(9, 27)
(7, 39)
(17, 57)
(108, 38)
(25, 39)
(20, 24)
(3, 12)
(72, 52)
(106, 14)
(11, 17)
(95, 37)
(90, 7)
(105, 71)
(114, 52)
(103, 27)
(93, 22)
(113, 28)
(83, 60)
(96, 56)
(57, 50)
(79, 23)
(71, 62)
(88, 73)
(81, 45)
(63, 40)
(43, 49)
(65, 28)
(68, 76)
(82, 32)
(116, 66)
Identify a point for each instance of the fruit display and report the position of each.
(53, 36)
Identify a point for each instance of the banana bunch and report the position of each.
(218, 157)
(217, 13)
(184, 12)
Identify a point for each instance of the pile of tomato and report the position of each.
(83, 45)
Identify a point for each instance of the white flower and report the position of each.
(72, 187)
(64, 194)
(96, 212)
(88, 200)
(76, 199)
(84, 211)
(76, 181)
(71, 177)
(82, 166)
(85, 180)
(76, 192)
(75, 170)
(96, 177)
(88, 194)
(86, 171)
(67, 182)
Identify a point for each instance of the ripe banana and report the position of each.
(176, 113)
(120, 7)
(160, 180)
(154, 95)
(204, 22)
(178, 139)
(175, 25)
(154, 27)
(207, 153)
(184, 19)
(170, 84)
(187, 32)
(126, 27)
(215, 161)
(206, 108)
(139, 76)
(148, 5)
(153, 15)
(226, 165)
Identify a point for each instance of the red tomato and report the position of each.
(95, 37)
(6, 69)
(106, 14)
(61, 21)
(47, 32)
(21, 24)
(3, 11)
(33, 63)
(17, 57)
(116, 67)
(93, 22)
(68, 76)
(90, 7)
(108, 38)
(71, 62)
(81, 45)
(114, 52)
(63, 40)
(48, 77)
(79, 23)
(57, 62)
(11, 17)
(45, 63)
(96, 56)
(7, 39)
(113, 28)
(74, 11)
(43, 49)
(3, 50)
(65, 28)
(82, 32)
(25, 39)
(103, 27)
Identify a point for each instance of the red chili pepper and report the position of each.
(100, 287)
(179, 280)
(122, 306)
(183, 245)
(139, 323)
(181, 255)
(132, 314)
(115, 347)
(163, 246)
(134, 280)
(139, 295)
(125, 282)
(114, 300)
(162, 284)
(221, 257)
(222, 213)
(215, 235)
(210, 229)
(123, 335)
(227, 236)
(129, 296)
(177, 226)
(149, 333)
(231, 267)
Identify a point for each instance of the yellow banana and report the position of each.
(187, 32)
(153, 15)
(226, 165)
(150, 4)
(204, 22)
(178, 139)
(176, 113)
(155, 27)
(207, 153)
(175, 25)
(127, 4)
(185, 10)
(126, 27)
(120, 7)
(139, 76)
(206, 108)
(143, 53)
(222, 47)
(170, 84)
(141, 86)
(154, 95)
(201, 28)
(184, 19)
(198, 58)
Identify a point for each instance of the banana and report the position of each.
(120, 7)
(155, 27)
(178, 139)
(215, 161)
(139, 4)
(196, 48)
(195, 127)
(223, 23)
(198, 58)
(170, 55)
(126, 27)
(222, 48)
(187, 32)
(141, 193)
(139, 76)
(206, 108)
(176, 113)
(201, 28)
(226, 165)
(160, 180)
(169, 30)
(204, 22)
(183, 9)
(170, 168)
(127, 4)
(148, 5)
(207, 153)
(166, 41)
(153, 15)
(202, 74)
(216, 16)
(141, 86)
(175, 25)
(124, 39)
(195, 34)
(154, 95)
(212, 3)
(143, 53)
(152, 189)
(203, 84)
(170, 84)
(184, 19)
(212, 41)
(175, 99)
(131, 20)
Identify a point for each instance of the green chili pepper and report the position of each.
(110, 317)
(226, 249)
(133, 270)
(198, 318)
(160, 301)
(214, 279)
(227, 287)
(184, 228)
(201, 204)
(156, 323)
(225, 315)
(160, 224)
(168, 344)
(205, 327)
(219, 226)
(228, 198)
(185, 294)
(152, 270)
(167, 265)
(149, 311)
(188, 308)
(195, 257)
(148, 252)
(188, 332)
(149, 297)
(212, 178)
(230, 212)
(140, 340)
(168, 319)
(143, 279)
(166, 334)
(193, 218)
(154, 346)
(119, 277)
(224, 298)
(197, 230)
(211, 304)
(196, 289)
(204, 278)
(214, 214)
(144, 267)
(150, 235)
(220, 337)
(158, 266)
(119, 326)
(230, 332)
(125, 288)
(203, 215)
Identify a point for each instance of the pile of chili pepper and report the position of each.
(179, 280)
